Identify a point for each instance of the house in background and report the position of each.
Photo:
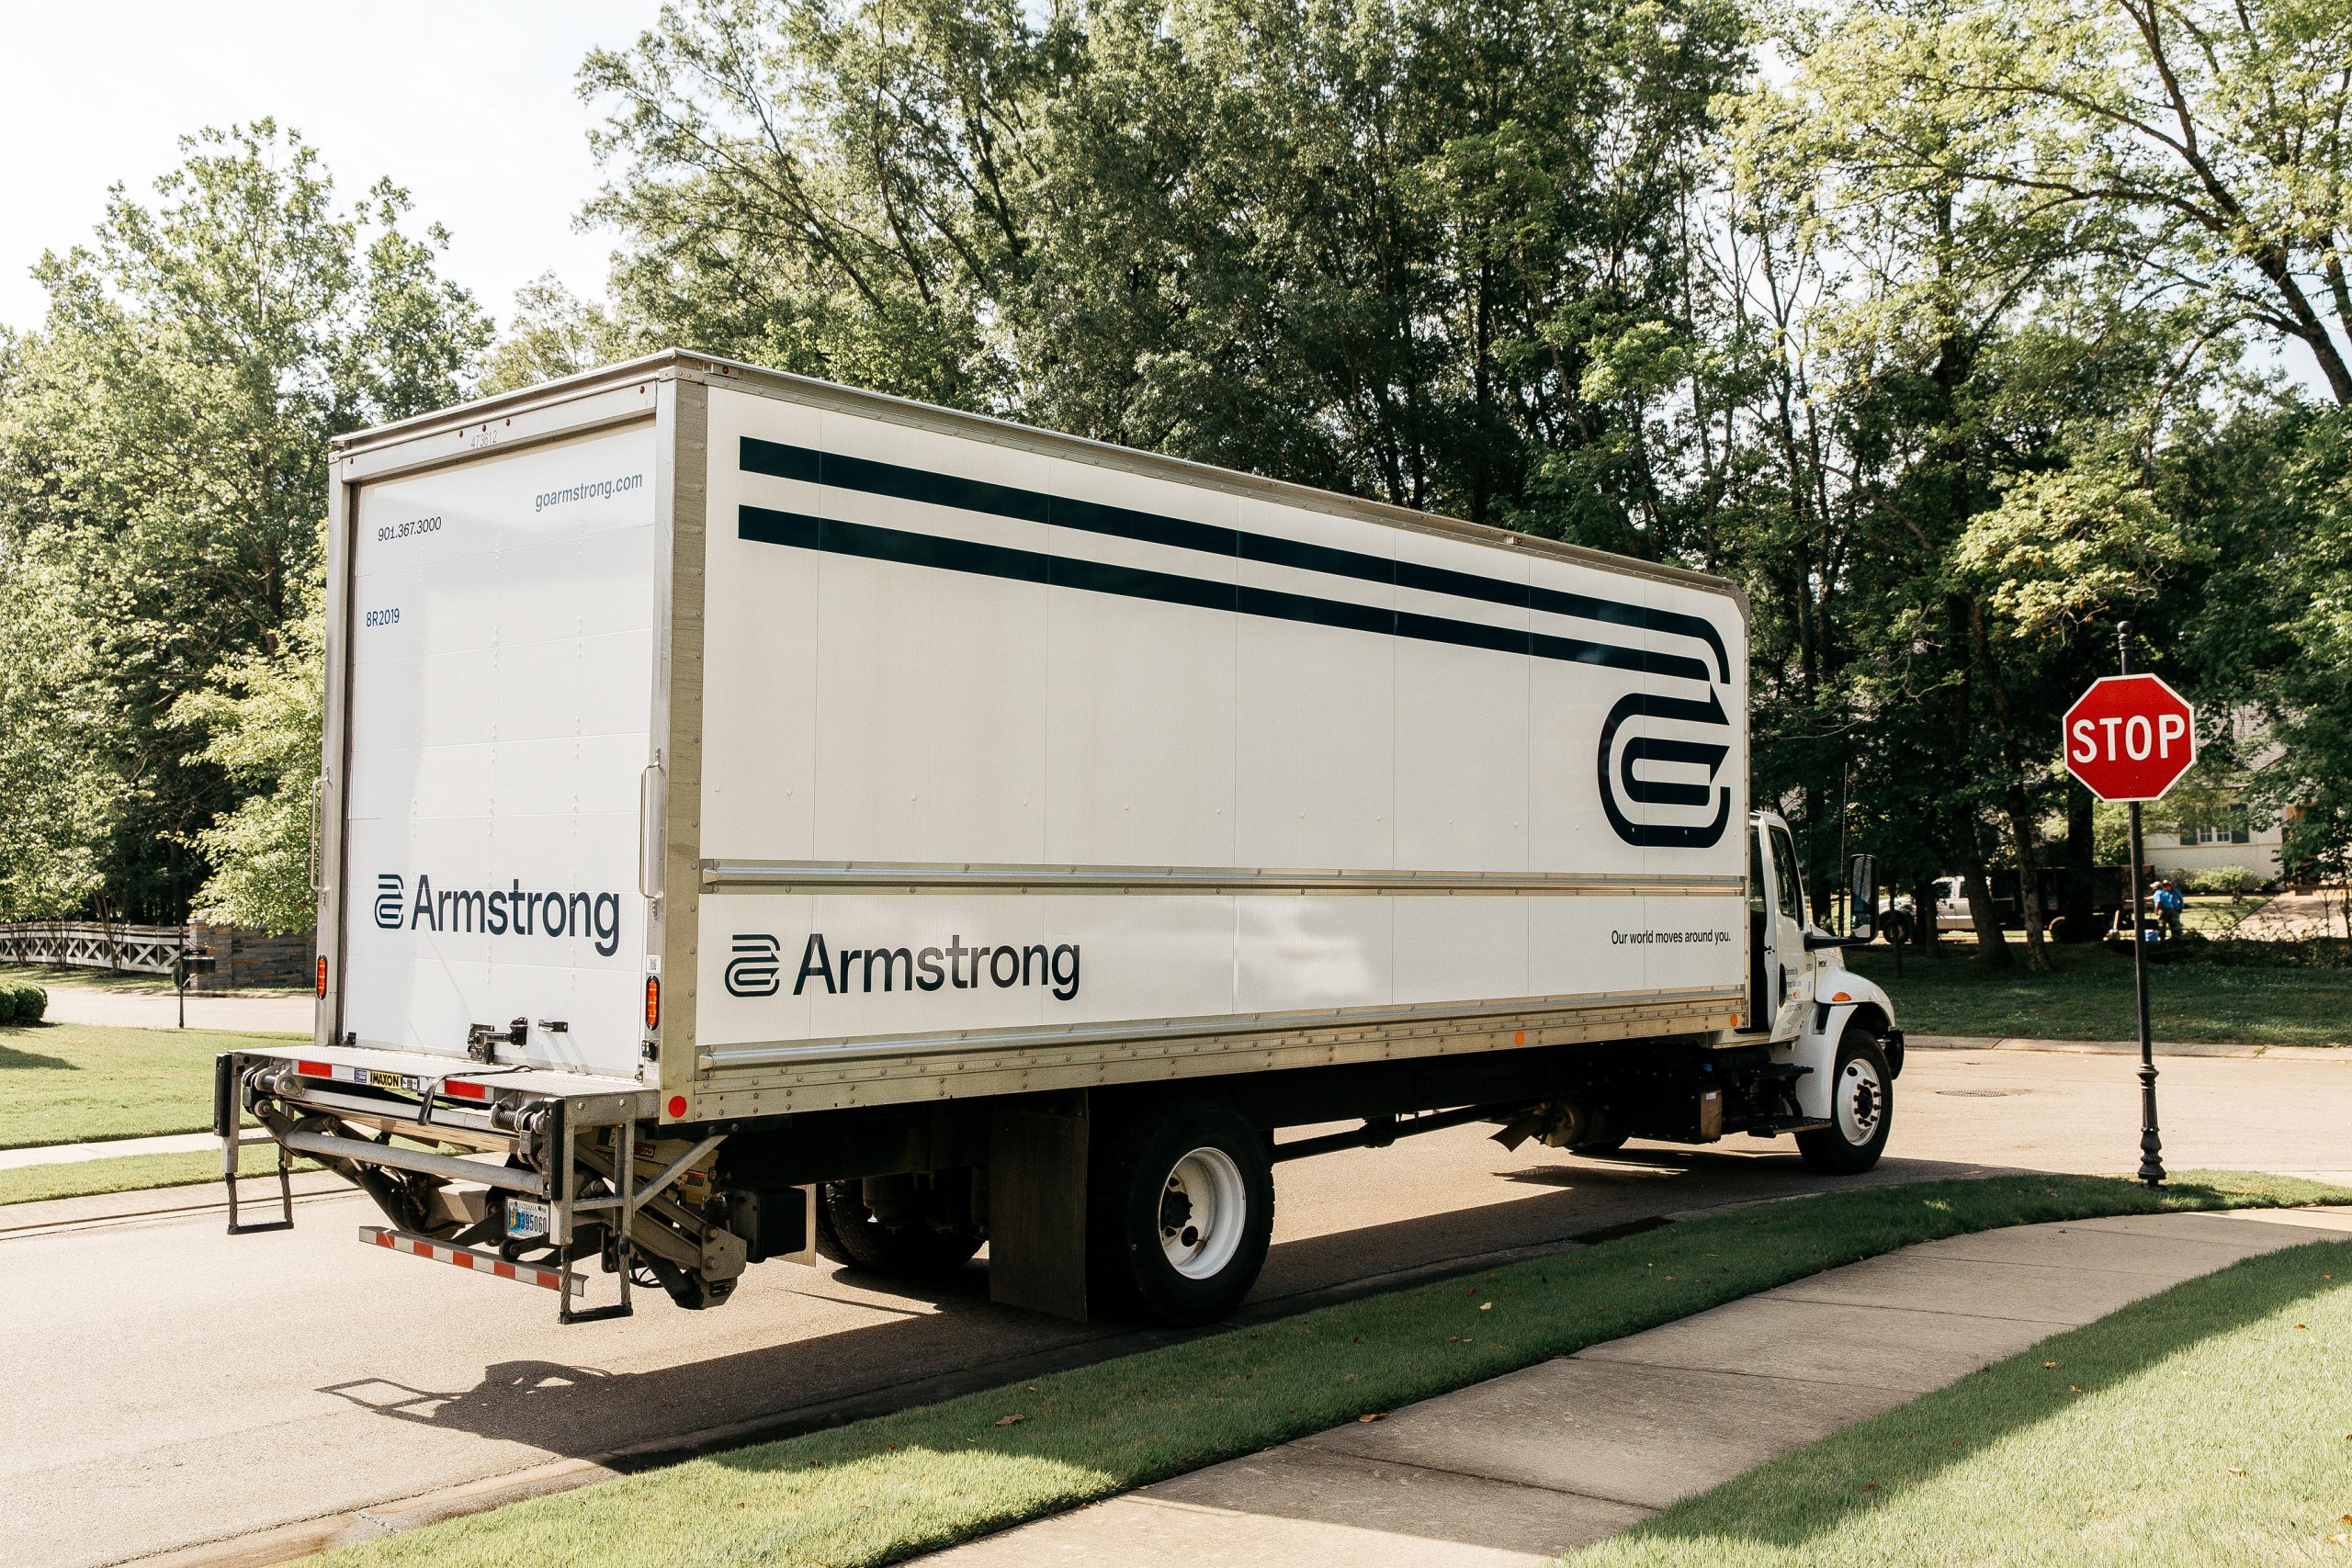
(2209, 838)
(2209, 828)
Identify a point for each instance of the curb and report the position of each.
(2128, 1047)
(158, 1202)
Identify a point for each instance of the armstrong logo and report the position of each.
(756, 970)
(390, 893)
(753, 971)
(499, 911)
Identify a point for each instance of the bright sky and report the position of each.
(471, 108)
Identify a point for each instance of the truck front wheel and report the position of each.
(1183, 1210)
(1861, 1109)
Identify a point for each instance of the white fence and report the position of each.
(241, 956)
(145, 950)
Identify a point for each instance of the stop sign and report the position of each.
(2130, 738)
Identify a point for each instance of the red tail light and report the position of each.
(323, 973)
(653, 1002)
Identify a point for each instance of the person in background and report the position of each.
(2169, 903)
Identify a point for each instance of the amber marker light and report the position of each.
(323, 973)
(653, 1002)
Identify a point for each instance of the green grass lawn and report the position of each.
(2090, 998)
(2217, 914)
(2212, 1424)
(134, 1173)
(876, 1491)
(64, 1083)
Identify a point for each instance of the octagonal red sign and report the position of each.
(2130, 738)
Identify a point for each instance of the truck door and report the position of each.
(1787, 966)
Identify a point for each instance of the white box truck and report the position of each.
(762, 816)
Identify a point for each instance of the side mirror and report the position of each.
(1862, 883)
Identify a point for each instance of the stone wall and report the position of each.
(245, 957)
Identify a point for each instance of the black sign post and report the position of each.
(2152, 1164)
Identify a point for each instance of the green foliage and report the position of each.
(162, 464)
(1431, 257)
(22, 1002)
(2224, 881)
(263, 713)
(554, 334)
(2068, 546)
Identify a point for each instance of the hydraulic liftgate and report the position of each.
(424, 1137)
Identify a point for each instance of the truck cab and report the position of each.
(1814, 1015)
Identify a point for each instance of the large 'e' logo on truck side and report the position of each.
(1624, 783)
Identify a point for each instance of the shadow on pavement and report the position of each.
(951, 1339)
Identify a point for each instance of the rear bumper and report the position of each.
(471, 1104)
(517, 1172)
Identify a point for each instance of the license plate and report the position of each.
(525, 1219)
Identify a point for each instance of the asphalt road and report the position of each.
(170, 1385)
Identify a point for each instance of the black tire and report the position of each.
(1894, 929)
(1607, 1146)
(1861, 1109)
(848, 1232)
(1154, 1176)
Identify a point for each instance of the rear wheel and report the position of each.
(1183, 1210)
(1861, 1109)
(1894, 929)
(915, 1245)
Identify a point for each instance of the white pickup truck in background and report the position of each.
(762, 816)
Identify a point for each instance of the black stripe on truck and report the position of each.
(865, 541)
(779, 460)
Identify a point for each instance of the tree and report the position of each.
(836, 191)
(261, 716)
(1965, 458)
(2212, 140)
(1427, 254)
(163, 465)
(554, 334)
(2270, 636)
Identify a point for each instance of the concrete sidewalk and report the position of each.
(1513, 1473)
(107, 1148)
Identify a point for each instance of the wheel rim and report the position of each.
(1861, 1102)
(1203, 1207)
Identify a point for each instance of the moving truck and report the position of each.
(762, 818)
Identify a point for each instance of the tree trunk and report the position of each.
(2016, 808)
(2023, 842)
(1992, 944)
(2078, 899)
